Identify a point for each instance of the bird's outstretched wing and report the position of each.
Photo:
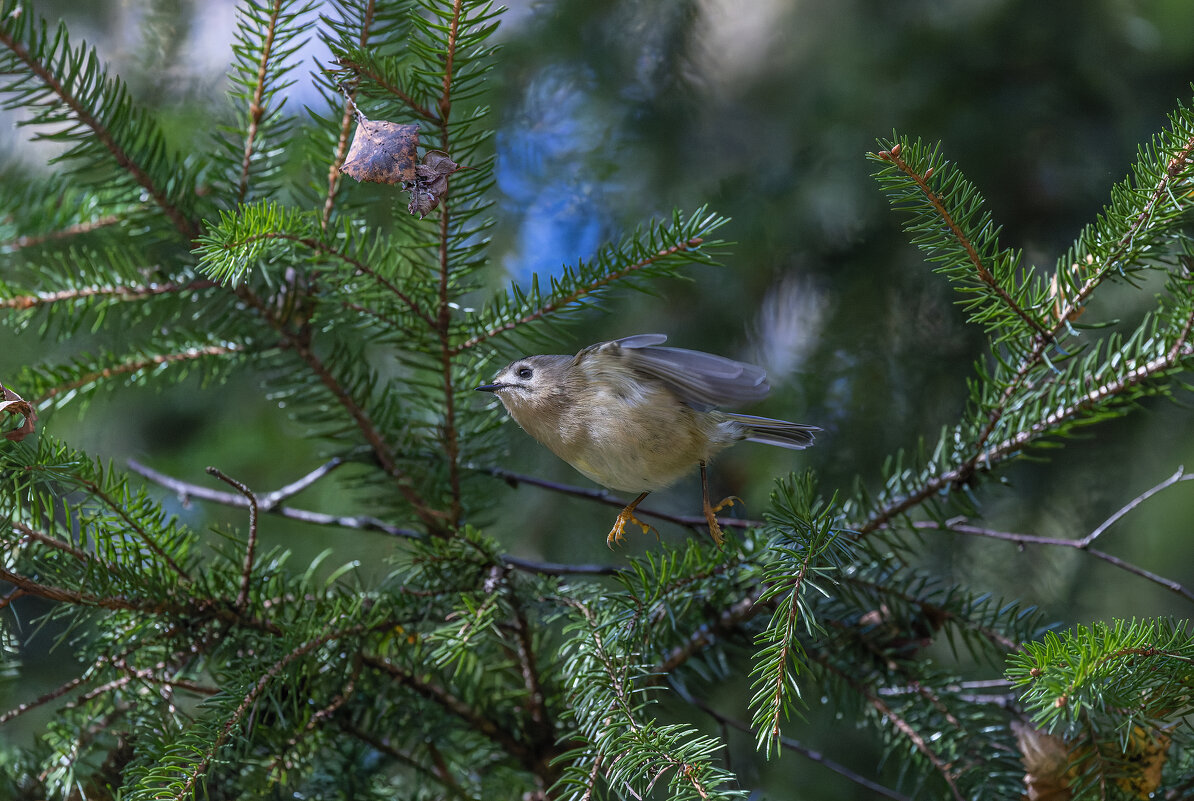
(702, 380)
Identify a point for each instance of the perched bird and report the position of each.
(635, 417)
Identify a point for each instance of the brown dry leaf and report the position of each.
(383, 152)
(1046, 759)
(14, 404)
(1049, 763)
(431, 182)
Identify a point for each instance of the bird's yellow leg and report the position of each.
(711, 510)
(617, 534)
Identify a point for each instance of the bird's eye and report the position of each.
(525, 373)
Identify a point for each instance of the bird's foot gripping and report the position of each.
(711, 516)
(617, 534)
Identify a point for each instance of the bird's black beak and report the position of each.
(490, 387)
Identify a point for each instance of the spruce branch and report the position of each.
(364, 67)
(787, 743)
(387, 459)
(575, 286)
(119, 293)
(901, 725)
(347, 116)
(250, 699)
(68, 232)
(137, 365)
(1134, 378)
(953, 218)
(84, 96)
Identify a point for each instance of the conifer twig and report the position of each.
(788, 743)
(443, 324)
(955, 228)
(695, 522)
(242, 598)
(77, 229)
(903, 726)
(256, 109)
(572, 297)
(184, 224)
(346, 120)
(137, 365)
(186, 490)
(123, 293)
(991, 455)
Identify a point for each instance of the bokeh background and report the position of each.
(609, 114)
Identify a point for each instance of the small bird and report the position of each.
(635, 417)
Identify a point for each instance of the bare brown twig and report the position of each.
(242, 598)
(961, 525)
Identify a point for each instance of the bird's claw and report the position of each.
(711, 516)
(617, 534)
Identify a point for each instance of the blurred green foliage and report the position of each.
(609, 112)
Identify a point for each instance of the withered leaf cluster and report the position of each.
(13, 404)
(387, 152)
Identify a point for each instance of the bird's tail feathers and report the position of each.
(775, 432)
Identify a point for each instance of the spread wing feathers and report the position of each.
(775, 432)
(701, 380)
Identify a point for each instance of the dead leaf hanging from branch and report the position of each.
(387, 153)
(383, 152)
(13, 404)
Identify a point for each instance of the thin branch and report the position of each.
(791, 745)
(360, 266)
(346, 120)
(439, 772)
(121, 293)
(559, 569)
(184, 224)
(903, 726)
(577, 294)
(960, 525)
(992, 455)
(242, 598)
(77, 229)
(411, 104)
(295, 487)
(256, 110)
(1178, 476)
(695, 522)
(137, 365)
(955, 228)
(185, 491)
